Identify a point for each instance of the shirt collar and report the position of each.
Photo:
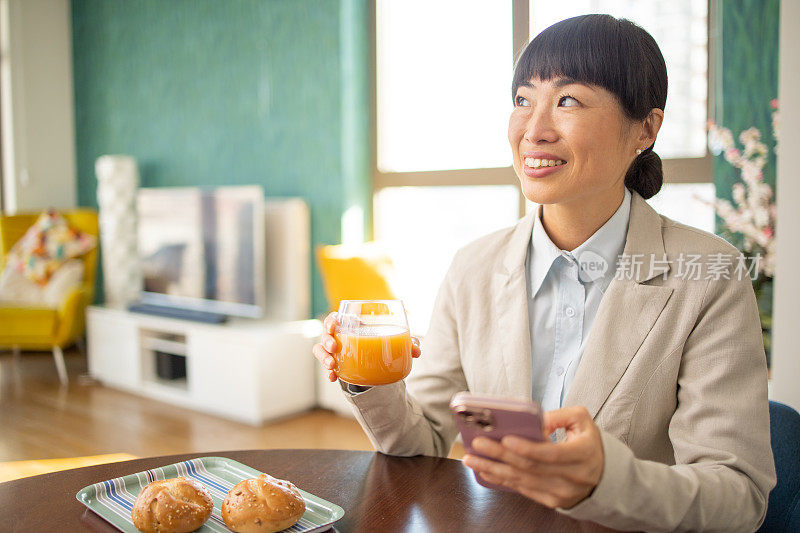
(544, 252)
(608, 242)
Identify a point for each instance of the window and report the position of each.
(443, 96)
(681, 30)
(684, 202)
(442, 175)
(423, 228)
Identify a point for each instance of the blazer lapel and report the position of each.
(627, 313)
(511, 305)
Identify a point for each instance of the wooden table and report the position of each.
(377, 492)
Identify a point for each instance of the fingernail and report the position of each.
(329, 362)
(330, 345)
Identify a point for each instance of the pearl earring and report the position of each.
(638, 152)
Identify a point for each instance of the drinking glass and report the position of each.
(374, 342)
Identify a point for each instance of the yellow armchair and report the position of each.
(362, 272)
(41, 328)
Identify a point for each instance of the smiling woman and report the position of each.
(593, 146)
(599, 115)
(646, 412)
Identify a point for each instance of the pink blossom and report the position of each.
(774, 103)
(755, 212)
(749, 135)
(732, 153)
(739, 193)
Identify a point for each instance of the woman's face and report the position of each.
(581, 125)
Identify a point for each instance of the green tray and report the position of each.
(113, 499)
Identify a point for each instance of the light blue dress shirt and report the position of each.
(564, 293)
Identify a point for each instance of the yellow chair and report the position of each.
(360, 272)
(41, 328)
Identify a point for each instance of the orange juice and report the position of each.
(374, 355)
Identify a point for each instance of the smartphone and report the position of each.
(495, 417)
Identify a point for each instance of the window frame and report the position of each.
(676, 170)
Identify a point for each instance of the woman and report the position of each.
(662, 410)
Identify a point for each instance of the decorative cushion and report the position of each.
(18, 291)
(360, 272)
(65, 280)
(46, 246)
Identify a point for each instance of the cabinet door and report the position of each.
(287, 374)
(223, 375)
(113, 348)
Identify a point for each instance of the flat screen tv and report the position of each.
(203, 249)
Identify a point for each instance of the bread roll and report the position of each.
(262, 505)
(177, 505)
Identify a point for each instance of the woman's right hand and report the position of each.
(327, 346)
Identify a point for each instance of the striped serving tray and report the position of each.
(113, 499)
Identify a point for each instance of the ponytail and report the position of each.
(645, 175)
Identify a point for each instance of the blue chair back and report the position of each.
(783, 511)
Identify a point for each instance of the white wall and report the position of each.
(38, 126)
(785, 341)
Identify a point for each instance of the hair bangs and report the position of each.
(596, 50)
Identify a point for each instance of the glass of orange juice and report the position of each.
(374, 342)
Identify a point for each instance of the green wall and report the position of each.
(203, 92)
(747, 78)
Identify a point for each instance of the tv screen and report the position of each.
(203, 248)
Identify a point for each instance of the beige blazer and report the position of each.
(673, 373)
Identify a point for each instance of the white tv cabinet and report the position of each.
(246, 370)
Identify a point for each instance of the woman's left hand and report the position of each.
(554, 474)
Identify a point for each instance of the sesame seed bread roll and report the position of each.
(262, 505)
(177, 505)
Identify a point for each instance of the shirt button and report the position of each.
(560, 370)
(570, 312)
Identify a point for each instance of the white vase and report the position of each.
(117, 185)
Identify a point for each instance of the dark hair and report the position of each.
(612, 53)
